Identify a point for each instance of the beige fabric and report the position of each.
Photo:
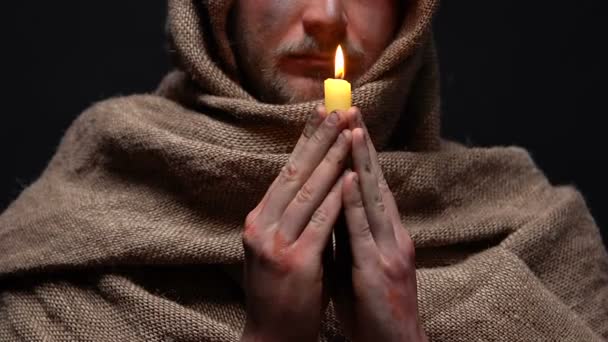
(132, 233)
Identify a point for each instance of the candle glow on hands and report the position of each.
(338, 90)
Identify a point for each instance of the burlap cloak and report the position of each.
(133, 232)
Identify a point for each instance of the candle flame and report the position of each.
(339, 63)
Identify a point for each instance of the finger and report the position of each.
(381, 225)
(387, 195)
(354, 116)
(362, 242)
(299, 167)
(316, 235)
(312, 124)
(312, 193)
(315, 118)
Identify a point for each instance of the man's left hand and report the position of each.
(382, 303)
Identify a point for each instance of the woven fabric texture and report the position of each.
(133, 231)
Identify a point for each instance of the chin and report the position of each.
(303, 89)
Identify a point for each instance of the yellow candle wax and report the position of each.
(337, 95)
(338, 90)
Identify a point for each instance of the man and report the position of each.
(136, 229)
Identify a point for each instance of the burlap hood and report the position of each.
(210, 79)
(133, 231)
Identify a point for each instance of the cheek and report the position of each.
(266, 20)
(372, 24)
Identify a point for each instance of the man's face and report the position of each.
(286, 48)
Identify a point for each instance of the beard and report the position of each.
(276, 86)
(263, 78)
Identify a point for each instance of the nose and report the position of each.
(325, 21)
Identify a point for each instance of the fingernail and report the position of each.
(362, 132)
(347, 134)
(333, 117)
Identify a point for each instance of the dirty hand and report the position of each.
(286, 234)
(377, 301)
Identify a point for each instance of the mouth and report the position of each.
(317, 60)
(314, 65)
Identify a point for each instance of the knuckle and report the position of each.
(383, 184)
(327, 128)
(336, 155)
(251, 235)
(328, 124)
(311, 127)
(379, 202)
(280, 263)
(410, 254)
(267, 257)
(319, 218)
(364, 231)
(378, 198)
(249, 225)
(334, 158)
(356, 203)
(251, 217)
(407, 246)
(289, 173)
(309, 130)
(397, 267)
(318, 137)
(305, 194)
(249, 240)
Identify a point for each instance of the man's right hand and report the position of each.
(285, 235)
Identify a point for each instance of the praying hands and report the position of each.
(286, 283)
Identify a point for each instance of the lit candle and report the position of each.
(337, 90)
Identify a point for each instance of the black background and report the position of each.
(527, 73)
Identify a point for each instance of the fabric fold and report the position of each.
(133, 231)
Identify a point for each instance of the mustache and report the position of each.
(308, 45)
